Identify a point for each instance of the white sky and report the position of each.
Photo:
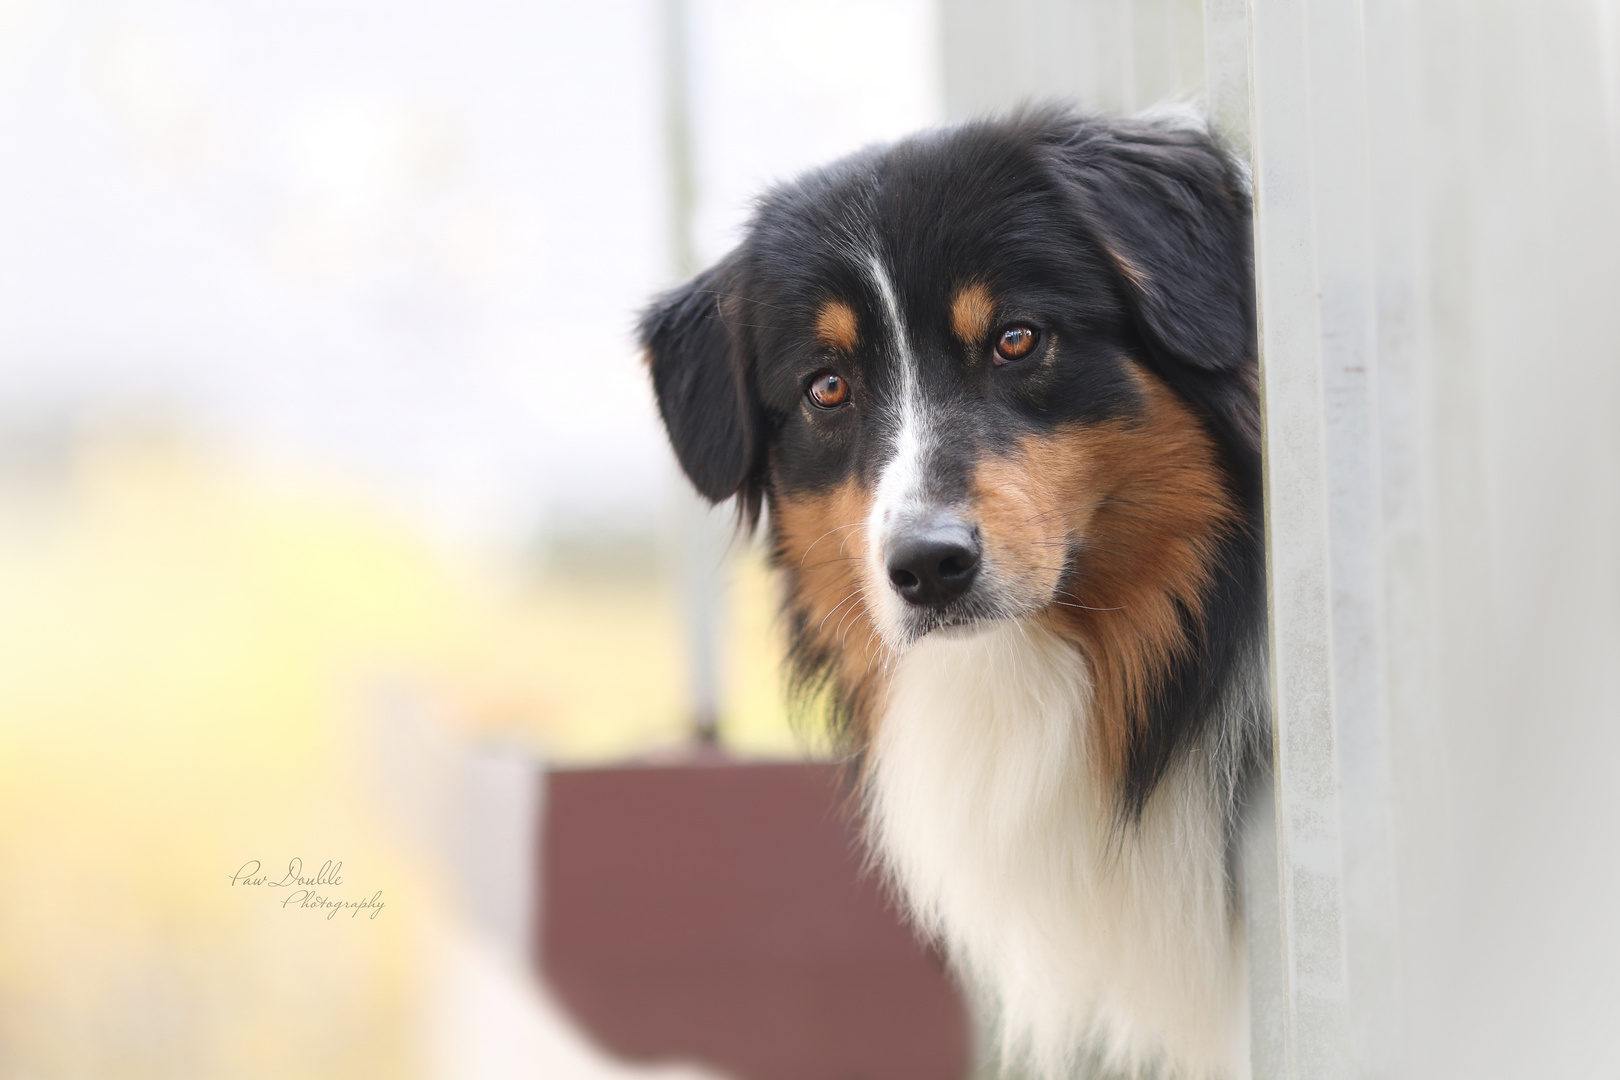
(405, 241)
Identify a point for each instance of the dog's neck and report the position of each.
(1090, 936)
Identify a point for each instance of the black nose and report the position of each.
(934, 563)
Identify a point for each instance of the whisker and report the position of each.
(1085, 607)
(830, 586)
(843, 638)
(739, 296)
(833, 562)
(1079, 506)
(1070, 541)
(823, 536)
(841, 603)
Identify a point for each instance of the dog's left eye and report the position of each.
(828, 390)
(1015, 343)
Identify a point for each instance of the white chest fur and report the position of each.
(1091, 944)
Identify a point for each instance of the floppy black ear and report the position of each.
(703, 377)
(1170, 211)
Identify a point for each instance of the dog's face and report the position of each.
(1004, 371)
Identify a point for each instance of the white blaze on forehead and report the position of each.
(899, 492)
(900, 482)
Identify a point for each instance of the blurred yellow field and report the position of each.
(192, 652)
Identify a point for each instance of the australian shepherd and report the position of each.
(994, 390)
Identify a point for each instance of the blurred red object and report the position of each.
(718, 913)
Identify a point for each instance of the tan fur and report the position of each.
(971, 312)
(1146, 500)
(820, 543)
(837, 327)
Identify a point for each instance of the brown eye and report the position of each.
(828, 390)
(1015, 343)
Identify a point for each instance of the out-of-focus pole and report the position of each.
(682, 175)
(700, 530)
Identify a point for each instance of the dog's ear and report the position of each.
(702, 373)
(1171, 214)
(1170, 211)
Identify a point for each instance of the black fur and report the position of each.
(703, 374)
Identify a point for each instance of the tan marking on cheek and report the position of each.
(1146, 504)
(1025, 504)
(821, 550)
(836, 326)
(971, 312)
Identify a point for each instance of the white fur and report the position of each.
(1093, 945)
(899, 495)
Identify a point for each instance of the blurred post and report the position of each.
(1309, 342)
(702, 532)
(500, 789)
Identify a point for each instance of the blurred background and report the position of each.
(342, 557)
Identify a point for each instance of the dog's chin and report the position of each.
(915, 624)
(962, 631)
(956, 622)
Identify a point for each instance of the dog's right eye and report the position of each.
(828, 389)
(1015, 343)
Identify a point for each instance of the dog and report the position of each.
(994, 390)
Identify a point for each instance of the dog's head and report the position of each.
(1005, 370)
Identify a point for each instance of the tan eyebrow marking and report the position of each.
(836, 326)
(971, 312)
